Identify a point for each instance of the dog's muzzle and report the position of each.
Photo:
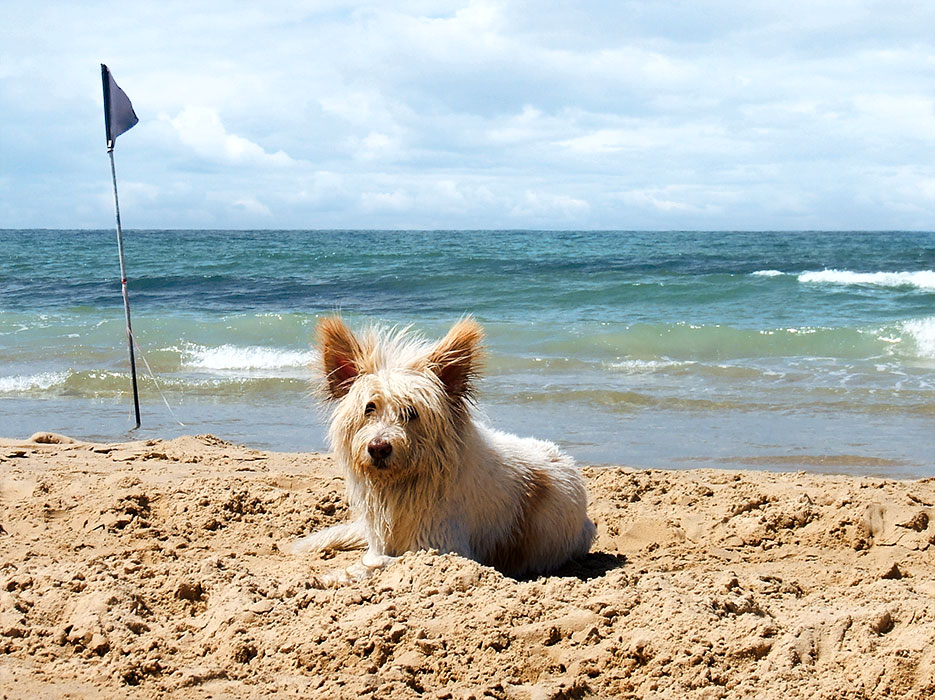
(379, 451)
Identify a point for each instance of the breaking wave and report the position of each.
(42, 381)
(920, 279)
(234, 357)
(922, 332)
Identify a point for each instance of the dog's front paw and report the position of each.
(362, 570)
(352, 574)
(374, 561)
(335, 579)
(368, 566)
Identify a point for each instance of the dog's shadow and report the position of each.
(590, 566)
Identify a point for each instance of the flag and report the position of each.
(118, 112)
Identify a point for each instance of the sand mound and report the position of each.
(155, 569)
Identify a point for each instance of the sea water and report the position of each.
(770, 350)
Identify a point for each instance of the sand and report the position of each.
(157, 569)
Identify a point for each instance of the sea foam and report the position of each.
(646, 366)
(922, 279)
(31, 382)
(234, 357)
(922, 331)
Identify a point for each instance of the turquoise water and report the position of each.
(770, 350)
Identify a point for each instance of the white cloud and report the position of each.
(375, 146)
(537, 205)
(523, 127)
(362, 108)
(927, 189)
(200, 129)
(677, 199)
(612, 140)
(253, 206)
(396, 201)
(462, 114)
(899, 116)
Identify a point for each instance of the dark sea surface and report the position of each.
(766, 350)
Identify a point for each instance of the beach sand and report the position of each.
(156, 569)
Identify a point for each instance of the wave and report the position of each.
(682, 348)
(920, 279)
(233, 357)
(647, 366)
(684, 342)
(922, 332)
(636, 349)
(43, 381)
(106, 383)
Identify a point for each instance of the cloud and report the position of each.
(200, 129)
(539, 205)
(396, 201)
(679, 199)
(252, 206)
(613, 140)
(460, 114)
(899, 116)
(375, 146)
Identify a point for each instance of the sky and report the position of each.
(554, 114)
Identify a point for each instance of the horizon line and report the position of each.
(478, 230)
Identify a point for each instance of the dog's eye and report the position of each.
(410, 413)
(370, 408)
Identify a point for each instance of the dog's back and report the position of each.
(541, 521)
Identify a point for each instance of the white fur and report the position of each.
(449, 483)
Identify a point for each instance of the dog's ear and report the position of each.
(456, 359)
(340, 354)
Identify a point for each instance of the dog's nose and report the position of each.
(379, 449)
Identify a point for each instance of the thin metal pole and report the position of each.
(123, 284)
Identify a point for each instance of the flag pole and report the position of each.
(123, 285)
(111, 137)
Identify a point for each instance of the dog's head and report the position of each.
(399, 401)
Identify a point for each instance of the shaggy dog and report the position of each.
(421, 473)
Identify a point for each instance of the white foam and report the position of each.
(234, 357)
(923, 279)
(767, 273)
(922, 331)
(645, 366)
(31, 382)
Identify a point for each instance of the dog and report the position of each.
(422, 473)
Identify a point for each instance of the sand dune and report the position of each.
(155, 569)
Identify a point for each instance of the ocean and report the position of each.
(806, 351)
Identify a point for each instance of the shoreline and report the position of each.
(154, 568)
(736, 442)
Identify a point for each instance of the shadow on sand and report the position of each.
(590, 566)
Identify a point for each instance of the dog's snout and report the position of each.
(379, 449)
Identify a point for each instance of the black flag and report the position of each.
(118, 117)
(118, 112)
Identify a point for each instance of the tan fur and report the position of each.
(456, 360)
(423, 473)
(510, 553)
(339, 354)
